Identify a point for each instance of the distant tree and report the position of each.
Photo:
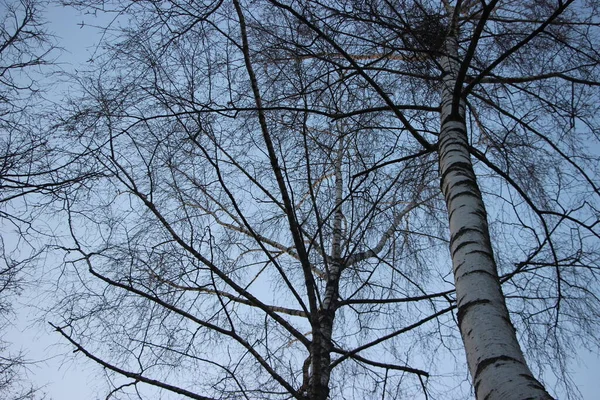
(28, 166)
(284, 180)
(24, 47)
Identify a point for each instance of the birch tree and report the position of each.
(324, 199)
(495, 359)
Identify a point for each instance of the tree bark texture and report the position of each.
(322, 335)
(496, 362)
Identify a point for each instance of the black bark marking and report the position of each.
(449, 147)
(482, 252)
(480, 213)
(462, 310)
(469, 193)
(458, 267)
(473, 189)
(462, 231)
(533, 382)
(457, 166)
(455, 209)
(491, 361)
(452, 140)
(453, 117)
(450, 151)
(463, 244)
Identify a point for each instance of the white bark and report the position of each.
(494, 357)
(322, 334)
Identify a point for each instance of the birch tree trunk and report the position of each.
(496, 363)
(322, 335)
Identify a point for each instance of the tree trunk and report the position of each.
(322, 344)
(494, 357)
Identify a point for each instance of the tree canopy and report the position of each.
(334, 199)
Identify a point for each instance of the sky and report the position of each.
(59, 373)
(67, 376)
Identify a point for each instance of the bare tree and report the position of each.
(29, 167)
(284, 181)
(24, 47)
